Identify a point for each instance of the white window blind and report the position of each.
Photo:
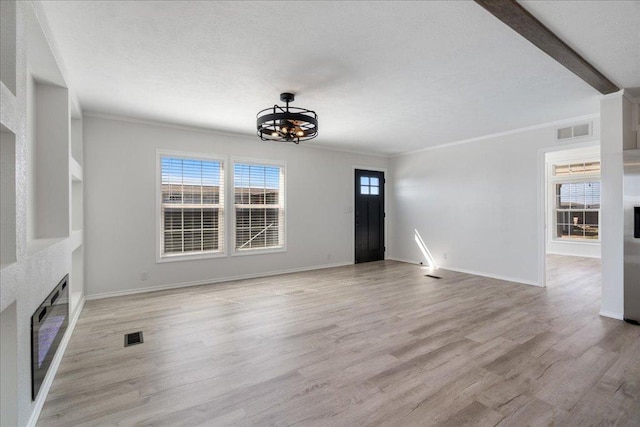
(192, 206)
(259, 206)
(577, 201)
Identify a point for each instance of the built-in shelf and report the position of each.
(36, 245)
(76, 141)
(8, 44)
(76, 170)
(76, 206)
(76, 278)
(7, 197)
(8, 105)
(48, 207)
(76, 239)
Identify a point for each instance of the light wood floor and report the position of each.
(370, 344)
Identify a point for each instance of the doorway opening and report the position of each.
(572, 218)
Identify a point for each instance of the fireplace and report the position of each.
(48, 325)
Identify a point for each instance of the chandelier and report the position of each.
(287, 123)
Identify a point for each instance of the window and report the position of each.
(577, 201)
(192, 206)
(259, 206)
(369, 186)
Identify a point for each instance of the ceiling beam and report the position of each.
(525, 24)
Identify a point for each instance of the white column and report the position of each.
(616, 135)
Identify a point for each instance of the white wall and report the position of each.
(478, 202)
(617, 135)
(120, 188)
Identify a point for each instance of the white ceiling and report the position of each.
(384, 77)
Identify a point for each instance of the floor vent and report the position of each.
(133, 338)
(432, 276)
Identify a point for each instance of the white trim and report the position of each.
(493, 276)
(353, 207)
(408, 261)
(551, 208)
(542, 172)
(617, 94)
(194, 128)
(175, 257)
(473, 272)
(622, 93)
(212, 281)
(261, 251)
(611, 314)
(158, 207)
(55, 364)
(543, 200)
(232, 214)
(497, 134)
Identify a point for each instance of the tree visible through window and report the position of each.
(192, 214)
(259, 206)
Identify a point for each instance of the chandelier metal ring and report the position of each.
(287, 123)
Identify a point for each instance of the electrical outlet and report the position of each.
(328, 256)
(444, 255)
(144, 276)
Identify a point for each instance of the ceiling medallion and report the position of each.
(287, 123)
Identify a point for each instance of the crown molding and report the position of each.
(505, 133)
(189, 128)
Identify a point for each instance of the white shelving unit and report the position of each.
(8, 45)
(41, 199)
(8, 253)
(8, 238)
(76, 277)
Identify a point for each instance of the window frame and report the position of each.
(232, 214)
(569, 179)
(162, 258)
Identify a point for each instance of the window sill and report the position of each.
(575, 242)
(190, 257)
(258, 251)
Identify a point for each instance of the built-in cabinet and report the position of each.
(41, 199)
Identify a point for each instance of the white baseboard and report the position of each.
(475, 273)
(210, 281)
(408, 261)
(494, 276)
(55, 364)
(611, 314)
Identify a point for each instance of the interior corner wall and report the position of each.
(475, 205)
(120, 206)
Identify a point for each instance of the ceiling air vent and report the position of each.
(576, 131)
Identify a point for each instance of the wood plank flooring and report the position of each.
(368, 344)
